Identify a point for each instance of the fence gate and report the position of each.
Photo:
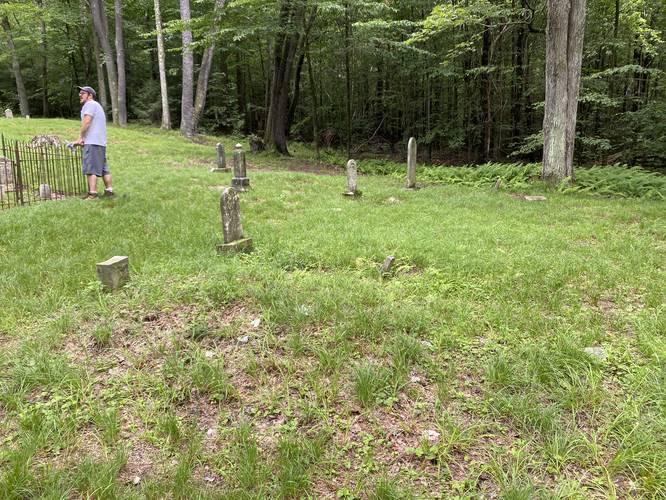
(39, 170)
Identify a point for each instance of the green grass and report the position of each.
(460, 375)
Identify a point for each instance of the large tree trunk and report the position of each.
(161, 60)
(186, 105)
(101, 83)
(16, 69)
(348, 85)
(120, 57)
(45, 60)
(101, 27)
(313, 102)
(564, 53)
(206, 63)
(486, 89)
(283, 59)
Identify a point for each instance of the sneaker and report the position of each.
(90, 196)
(108, 194)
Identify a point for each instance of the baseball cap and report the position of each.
(90, 90)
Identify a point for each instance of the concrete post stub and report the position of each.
(113, 273)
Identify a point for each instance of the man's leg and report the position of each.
(92, 183)
(107, 182)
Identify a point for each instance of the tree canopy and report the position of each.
(466, 78)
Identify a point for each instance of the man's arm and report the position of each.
(85, 125)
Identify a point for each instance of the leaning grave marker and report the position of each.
(232, 230)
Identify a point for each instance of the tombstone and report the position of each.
(411, 163)
(596, 352)
(6, 174)
(44, 192)
(113, 273)
(221, 159)
(498, 184)
(352, 173)
(27, 117)
(240, 180)
(8, 113)
(234, 241)
(256, 144)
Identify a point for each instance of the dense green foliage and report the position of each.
(458, 76)
(614, 180)
(295, 371)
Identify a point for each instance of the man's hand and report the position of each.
(79, 142)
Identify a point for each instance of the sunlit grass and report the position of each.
(295, 370)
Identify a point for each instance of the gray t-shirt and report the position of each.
(96, 133)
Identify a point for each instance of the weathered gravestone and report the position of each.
(8, 113)
(411, 163)
(113, 273)
(352, 175)
(221, 159)
(6, 175)
(256, 144)
(234, 241)
(45, 192)
(240, 180)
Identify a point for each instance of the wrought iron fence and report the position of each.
(38, 170)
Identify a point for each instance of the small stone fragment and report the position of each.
(136, 480)
(431, 436)
(386, 266)
(256, 322)
(244, 339)
(534, 198)
(211, 433)
(596, 352)
(209, 354)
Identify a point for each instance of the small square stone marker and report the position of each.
(114, 272)
(231, 224)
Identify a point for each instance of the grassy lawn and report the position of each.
(294, 371)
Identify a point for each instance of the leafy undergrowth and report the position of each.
(297, 371)
(611, 180)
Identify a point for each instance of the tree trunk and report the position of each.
(283, 59)
(486, 88)
(120, 57)
(313, 99)
(564, 52)
(45, 66)
(206, 63)
(348, 87)
(16, 69)
(100, 25)
(101, 84)
(186, 107)
(161, 58)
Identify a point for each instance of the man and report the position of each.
(93, 139)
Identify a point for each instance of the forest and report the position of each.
(466, 78)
